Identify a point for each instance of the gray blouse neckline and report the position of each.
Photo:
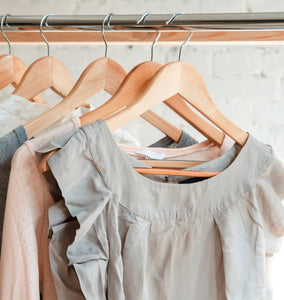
(157, 200)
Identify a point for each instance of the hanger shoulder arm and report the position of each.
(178, 78)
(179, 106)
(130, 88)
(61, 79)
(7, 71)
(46, 72)
(196, 94)
(157, 90)
(94, 79)
(166, 127)
(36, 79)
(115, 75)
(43, 121)
(91, 82)
(12, 70)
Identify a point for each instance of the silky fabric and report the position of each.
(138, 238)
(62, 225)
(30, 194)
(203, 151)
(62, 232)
(16, 111)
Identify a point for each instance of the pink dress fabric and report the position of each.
(25, 270)
(203, 151)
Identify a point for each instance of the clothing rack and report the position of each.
(86, 29)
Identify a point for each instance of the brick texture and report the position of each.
(245, 81)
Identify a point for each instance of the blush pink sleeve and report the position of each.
(24, 269)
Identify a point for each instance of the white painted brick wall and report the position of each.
(245, 81)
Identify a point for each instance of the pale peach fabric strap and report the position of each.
(43, 139)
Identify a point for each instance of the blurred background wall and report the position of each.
(245, 81)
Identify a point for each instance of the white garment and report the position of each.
(124, 137)
(4, 94)
(16, 111)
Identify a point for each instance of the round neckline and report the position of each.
(123, 156)
(152, 199)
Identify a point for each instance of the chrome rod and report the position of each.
(223, 22)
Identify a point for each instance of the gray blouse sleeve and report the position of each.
(270, 195)
(79, 180)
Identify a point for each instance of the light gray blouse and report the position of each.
(136, 237)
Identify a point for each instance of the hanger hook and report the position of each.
(3, 33)
(181, 46)
(170, 21)
(44, 19)
(153, 44)
(142, 20)
(107, 17)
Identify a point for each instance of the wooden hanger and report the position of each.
(171, 164)
(172, 79)
(158, 169)
(46, 72)
(102, 74)
(12, 68)
(133, 86)
(107, 108)
(135, 83)
(163, 125)
(171, 172)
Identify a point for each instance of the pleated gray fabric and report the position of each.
(135, 237)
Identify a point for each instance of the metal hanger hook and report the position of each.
(155, 41)
(170, 21)
(181, 46)
(4, 18)
(44, 19)
(107, 17)
(142, 19)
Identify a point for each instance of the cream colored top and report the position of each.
(141, 238)
(25, 268)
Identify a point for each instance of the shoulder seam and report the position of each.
(96, 166)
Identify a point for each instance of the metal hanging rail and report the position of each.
(85, 29)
